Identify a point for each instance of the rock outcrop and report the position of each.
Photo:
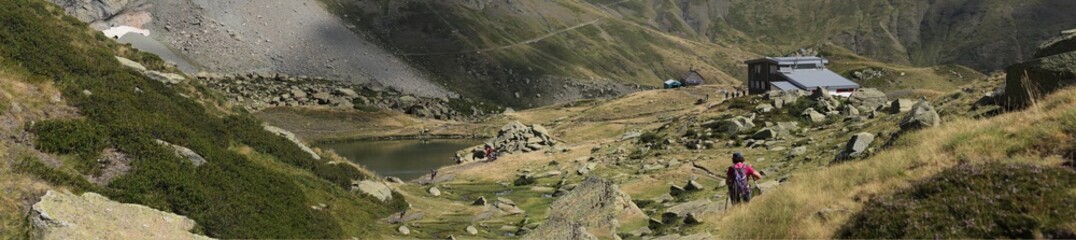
(516, 137)
(373, 188)
(1053, 67)
(594, 209)
(291, 137)
(260, 90)
(63, 215)
(185, 152)
(167, 78)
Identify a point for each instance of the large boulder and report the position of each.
(868, 98)
(737, 125)
(1053, 67)
(63, 215)
(765, 134)
(764, 108)
(922, 115)
(813, 116)
(901, 105)
(858, 144)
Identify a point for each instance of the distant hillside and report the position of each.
(498, 48)
(544, 50)
(985, 35)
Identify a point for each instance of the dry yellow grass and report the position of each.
(34, 103)
(791, 211)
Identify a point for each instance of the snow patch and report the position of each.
(116, 32)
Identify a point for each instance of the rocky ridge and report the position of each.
(594, 209)
(258, 90)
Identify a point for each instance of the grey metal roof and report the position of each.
(809, 79)
(790, 60)
(784, 86)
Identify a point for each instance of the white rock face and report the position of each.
(63, 215)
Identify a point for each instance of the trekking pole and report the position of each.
(727, 200)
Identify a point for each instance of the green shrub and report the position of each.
(78, 137)
(54, 176)
(1008, 201)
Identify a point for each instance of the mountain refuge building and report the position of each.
(795, 73)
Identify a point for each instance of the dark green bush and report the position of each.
(78, 137)
(995, 201)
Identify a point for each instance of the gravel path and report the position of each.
(297, 37)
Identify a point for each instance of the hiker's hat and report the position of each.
(737, 155)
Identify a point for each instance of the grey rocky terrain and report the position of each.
(239, 36)
(258, 91)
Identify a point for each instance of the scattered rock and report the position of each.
(509, 208)
(797, 151)
(813, 116)
(403, 230)
(434, 191)
(737, 125)
(346, 92)
(696, 209)
(131, 64)
(692, 219)
(692, 186)
(471, 230)
(764, 108)
(394, 180)
(676, 190)
(481, 201)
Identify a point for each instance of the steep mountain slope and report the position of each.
(546, 51)
(288, 37)
(98, 126)
(985, 35)
(498, 48)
